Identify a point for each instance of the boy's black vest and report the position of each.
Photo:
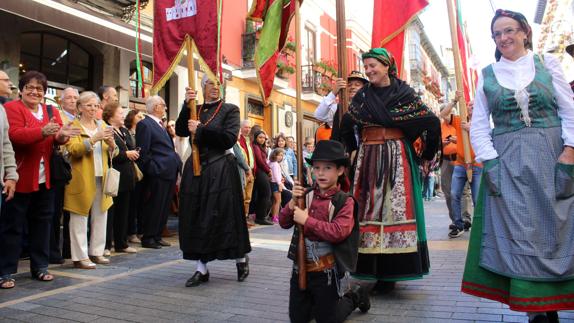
(346, 251)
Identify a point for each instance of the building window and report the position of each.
(61, 60)
(255, 108)
(147, 79)
(309, 52)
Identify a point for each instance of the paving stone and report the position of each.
(482, 317)
(143, 293)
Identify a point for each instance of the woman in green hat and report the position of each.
(385, 118)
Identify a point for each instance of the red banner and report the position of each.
(175, 23)
(389, 22)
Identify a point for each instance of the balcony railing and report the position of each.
(314, 81)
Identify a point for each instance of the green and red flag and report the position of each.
(390, 19)
(177, 22)
(276, 17)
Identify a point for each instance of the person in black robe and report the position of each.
(212, 224)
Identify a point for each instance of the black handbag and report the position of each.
(60, 168)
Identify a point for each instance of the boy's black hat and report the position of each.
(331, 151)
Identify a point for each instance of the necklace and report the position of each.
(214, 113)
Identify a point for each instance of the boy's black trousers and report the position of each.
(320, 300)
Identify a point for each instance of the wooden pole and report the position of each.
(459, 86)
(301, 257)
(342, 55)
(192, 107)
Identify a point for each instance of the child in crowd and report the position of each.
(277, 186)
(308, 148)
(331, 230)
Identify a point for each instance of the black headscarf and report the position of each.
(398, 106)
(393, 106)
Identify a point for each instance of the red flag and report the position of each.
(462, 46)
(276, 15)
(175, 23)
(390, 18)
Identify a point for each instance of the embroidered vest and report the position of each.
(505, 111)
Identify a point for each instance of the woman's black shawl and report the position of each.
(393, 106)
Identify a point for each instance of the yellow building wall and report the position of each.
(279, 102)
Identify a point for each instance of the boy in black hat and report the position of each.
(331, 231)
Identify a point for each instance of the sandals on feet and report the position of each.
(42, 275)
(7, 282)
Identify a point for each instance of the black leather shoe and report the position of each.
(263, 222)
(151, 245)
(163, 243)
(383, 287)
(362, 296)
(552, 317)
(56, 261)
(197, 279)
(540, 319)
(242, 270)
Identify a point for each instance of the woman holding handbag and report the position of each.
(90, 154)
(33, 134)
(124, 162)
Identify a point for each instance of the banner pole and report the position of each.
(192, 105)
(342, 56)
(459, 86)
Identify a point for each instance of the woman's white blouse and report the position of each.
(517, 75)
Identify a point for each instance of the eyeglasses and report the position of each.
(507, 32)
(31, 88)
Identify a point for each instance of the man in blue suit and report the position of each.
(160, 165)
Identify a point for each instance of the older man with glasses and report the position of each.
(160, 165)
(6, 87)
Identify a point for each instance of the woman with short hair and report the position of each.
(35, 129)
(84, 197)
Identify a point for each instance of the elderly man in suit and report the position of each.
(160, 165)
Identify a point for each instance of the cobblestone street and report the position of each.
(149, 287)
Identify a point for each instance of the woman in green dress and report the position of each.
(521, 250)
(387, 117)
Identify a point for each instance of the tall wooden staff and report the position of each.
(459, 85)
(342, 55)
(301, 256)
(192, 107)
